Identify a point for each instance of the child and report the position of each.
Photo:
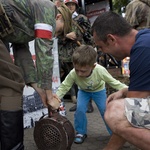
(90, 78)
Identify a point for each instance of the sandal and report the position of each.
(79, 138)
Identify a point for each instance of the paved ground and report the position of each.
(97, 133)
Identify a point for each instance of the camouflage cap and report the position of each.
(67, 16)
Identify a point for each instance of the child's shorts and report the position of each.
(137, 111)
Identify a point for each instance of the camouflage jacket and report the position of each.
(138, 14)
(28, 18)
(81, 26)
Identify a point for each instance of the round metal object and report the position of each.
(54, 133)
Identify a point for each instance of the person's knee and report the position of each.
(110, 111)
(114, 114)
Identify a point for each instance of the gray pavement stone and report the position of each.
(97, 133)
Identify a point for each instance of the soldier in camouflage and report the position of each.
(80, 35)
(22, 21)
(138, 14)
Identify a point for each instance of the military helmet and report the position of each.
(71, 1)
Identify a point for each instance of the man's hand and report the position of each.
(47, 97)
(71, 35)
(41, 93)
(117, 95)
(52, 100)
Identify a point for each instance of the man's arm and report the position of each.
(117, 95)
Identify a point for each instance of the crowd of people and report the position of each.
(125, 112)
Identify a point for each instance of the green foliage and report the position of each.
(119, 5)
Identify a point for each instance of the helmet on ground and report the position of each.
(71, 1)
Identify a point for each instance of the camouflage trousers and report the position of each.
(138, 111)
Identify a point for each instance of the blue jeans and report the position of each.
(83, 98)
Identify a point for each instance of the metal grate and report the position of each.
(55, 133)
(50, 136)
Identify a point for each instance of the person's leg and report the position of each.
(122, 129)
(11, 112)
(100, 100)
(11, 127)
(115, 143)
(80, 119)
(90, 108)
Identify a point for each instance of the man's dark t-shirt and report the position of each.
(140, 62)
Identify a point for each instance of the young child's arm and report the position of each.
(110, 80)
(116, 84)
(66, 85)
